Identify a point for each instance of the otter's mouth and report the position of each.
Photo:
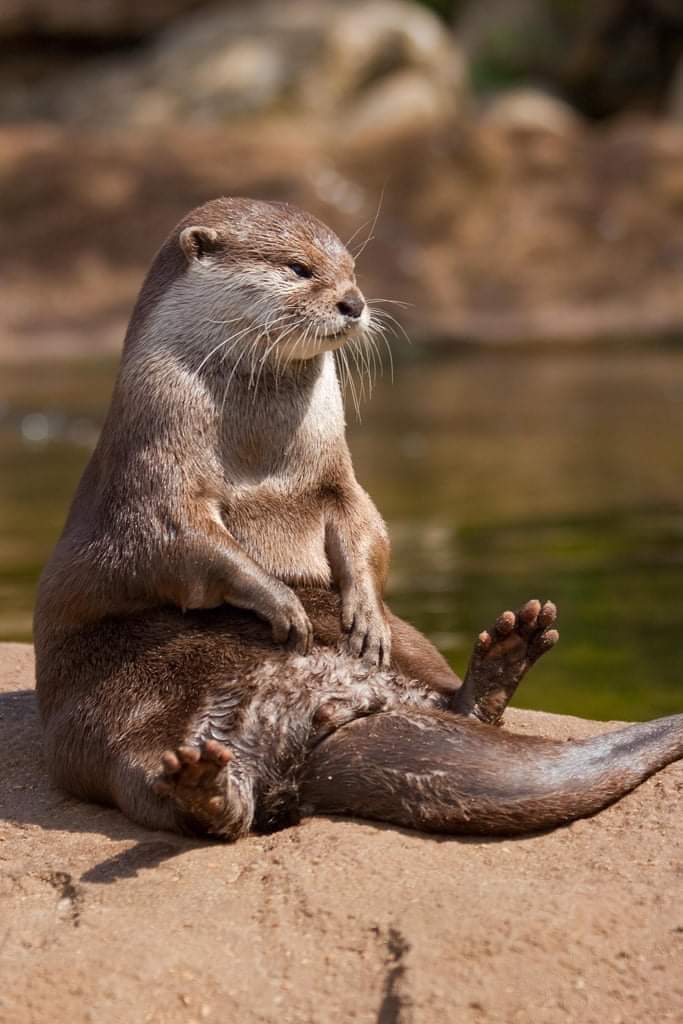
(342, 332)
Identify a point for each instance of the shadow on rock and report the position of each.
(27, 798)
(128, 863)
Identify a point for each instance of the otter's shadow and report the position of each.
(28, 798)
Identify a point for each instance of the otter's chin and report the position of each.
(310, 348)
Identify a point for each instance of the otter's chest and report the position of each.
(282, 527)
(279, 457)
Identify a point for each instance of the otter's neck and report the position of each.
(294, 418)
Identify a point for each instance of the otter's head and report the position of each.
(274, 272)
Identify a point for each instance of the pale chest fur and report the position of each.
(280, 452)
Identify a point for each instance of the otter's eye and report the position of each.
(300, 269)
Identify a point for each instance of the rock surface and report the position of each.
(336, 920)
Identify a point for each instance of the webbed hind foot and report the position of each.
(196, 780)
(502, 655)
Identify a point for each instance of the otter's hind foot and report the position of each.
(502, 655)
(196, 780)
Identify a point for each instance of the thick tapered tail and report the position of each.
(439, 773)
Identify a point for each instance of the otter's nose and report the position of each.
(351, 305)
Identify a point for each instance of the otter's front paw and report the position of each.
(288, 620)
(363, 619)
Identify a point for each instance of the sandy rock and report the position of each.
(336, 920)
(531, 111)
(533, 126)
(399, 104)
(369, 43)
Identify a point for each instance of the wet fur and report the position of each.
(322, 733)
(137, 686)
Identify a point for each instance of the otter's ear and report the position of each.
(198, 242)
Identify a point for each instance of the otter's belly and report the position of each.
(286, 536)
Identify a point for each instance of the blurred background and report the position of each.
(529, 156)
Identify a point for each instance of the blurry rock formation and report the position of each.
(365, 61)
(512, 205)
(603, 56)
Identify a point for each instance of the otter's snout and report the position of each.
(351, 304)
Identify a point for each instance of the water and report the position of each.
(502, 476)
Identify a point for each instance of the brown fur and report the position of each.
(218, 588)
(198, 493)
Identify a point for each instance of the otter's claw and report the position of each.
(289, 622)
(369, 633)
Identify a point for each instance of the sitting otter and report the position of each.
(214, 654)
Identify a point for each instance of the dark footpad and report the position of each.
(502, 656)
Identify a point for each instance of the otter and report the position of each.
(214, 655)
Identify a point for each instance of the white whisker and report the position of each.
(360, 252)
(381, 314)
(393, 302)
(222, 344)
(360, 227)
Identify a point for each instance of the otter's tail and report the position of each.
(439, 773)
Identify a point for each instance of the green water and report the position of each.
(502, 476)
